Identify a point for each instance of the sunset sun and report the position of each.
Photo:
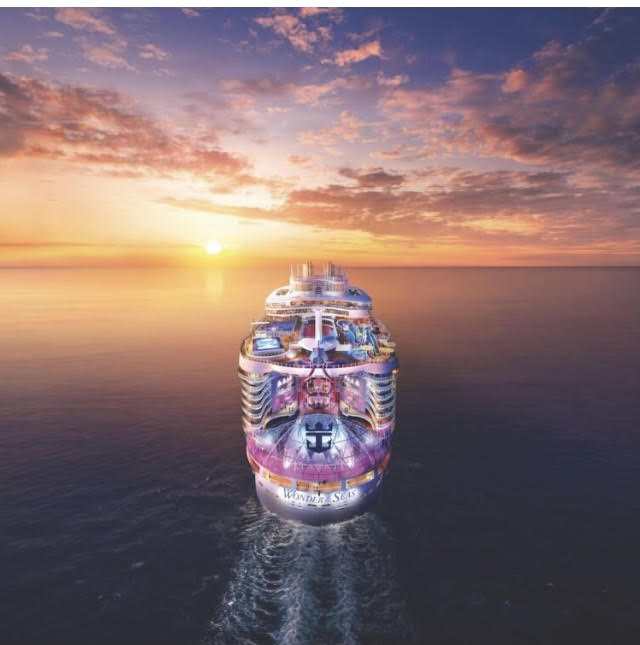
(213, 248)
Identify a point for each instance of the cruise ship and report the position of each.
(318, 382)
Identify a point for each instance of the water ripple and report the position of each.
(299, 585)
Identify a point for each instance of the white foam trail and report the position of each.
(301, 585)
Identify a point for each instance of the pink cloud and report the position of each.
(36, 15)
(152, 51)
(366, 50)
(348, 129)
(548, 209)
(514, 81)
(27, 54)
(563, 107)
(84, 20)
(391, 81)
(290, 27)
(102, 128)
(306, 94)
(396, 152)
(298, 160)
(373, 177)
(312, 93)
(106, 53)
(334, 13)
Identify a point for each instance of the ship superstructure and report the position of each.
(318, 381)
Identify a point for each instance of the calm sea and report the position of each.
(511, 512)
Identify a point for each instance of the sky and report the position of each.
(389, 137)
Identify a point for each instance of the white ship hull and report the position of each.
(317, 508)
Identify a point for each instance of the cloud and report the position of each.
(290, 27)
(247, 91)
(258, 87)
(603, 16)
(299, 33)
(163, 71)
(85, 20)
(101, 128)
(391, 81)
(27, 54)
(375, 27)
(514, 81)
(312, 94)
(398, 151)
(334, 13)
(52, 34)
(373, 177)
(297, 160)
(36, 15)
(106, 53)
(152, 51)
(563, 106)
(549, 209)
(366, 50)
(347, 129)
(100, 41)
(190, 13)
(570, 110)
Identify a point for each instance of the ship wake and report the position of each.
(303, 585)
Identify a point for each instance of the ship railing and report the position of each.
(330, 364)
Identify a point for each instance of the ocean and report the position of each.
(510, 513)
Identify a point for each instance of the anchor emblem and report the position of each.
(321, 435)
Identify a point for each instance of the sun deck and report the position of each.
(343, 341)
(318, 319)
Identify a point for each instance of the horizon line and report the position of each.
(348, 267)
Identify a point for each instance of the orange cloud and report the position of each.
(97, 126)
(543, 210)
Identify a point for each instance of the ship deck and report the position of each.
(345, 342)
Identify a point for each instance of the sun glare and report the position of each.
(213, 248)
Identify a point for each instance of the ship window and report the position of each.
(281, 481)
(327, 487)
(362, 479)
(319, 487)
